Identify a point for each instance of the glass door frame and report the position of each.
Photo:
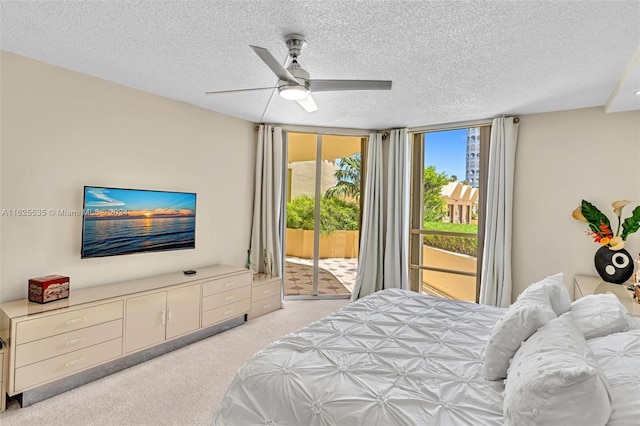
(319, 132)
(416, 232)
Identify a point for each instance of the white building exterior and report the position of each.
(462, 202)
(473, 156)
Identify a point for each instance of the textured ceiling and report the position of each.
(449, 61)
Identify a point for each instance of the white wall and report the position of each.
(61, 130)
(562, 158)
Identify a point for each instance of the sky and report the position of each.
(447, 150)
(131, 202)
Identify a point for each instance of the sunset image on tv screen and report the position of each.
(124, 221)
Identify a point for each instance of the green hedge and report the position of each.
(462, 245)
(336, 214)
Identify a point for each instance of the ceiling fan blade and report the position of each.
(238, 90)
(280, 71)
(337, 85)
(308, 104)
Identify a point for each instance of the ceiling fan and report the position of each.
(294, 82)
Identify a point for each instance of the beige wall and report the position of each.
(303, 177)
(61, 130)
(563, 157)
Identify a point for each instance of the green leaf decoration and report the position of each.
(594, 217)
(631, 224)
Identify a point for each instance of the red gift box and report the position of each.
(49, 288)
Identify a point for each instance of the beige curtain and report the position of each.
(266, 238)
(384, 242)
(495, 286)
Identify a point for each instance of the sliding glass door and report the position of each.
(322, 214)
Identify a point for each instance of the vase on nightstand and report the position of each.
(613, 266)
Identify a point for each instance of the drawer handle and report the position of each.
(266, 291)
(163, 317)
(74, 341)
(74, 321)
(229, 298)
(265, 306)
(74, 362)
(170, 315)
(228, 284)
(230, 311)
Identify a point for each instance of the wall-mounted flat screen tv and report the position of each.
(124, 221)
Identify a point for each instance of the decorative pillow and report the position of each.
(599, 314)
(558, 295)
(634, 323)
(521, 320)
(554, 379)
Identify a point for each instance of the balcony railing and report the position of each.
(446, 273)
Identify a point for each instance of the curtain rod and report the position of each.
(453, 126)
(450, 126)
(337, 131)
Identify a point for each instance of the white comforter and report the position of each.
(619, 356)
(392, 358)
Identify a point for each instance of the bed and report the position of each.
(402, 358)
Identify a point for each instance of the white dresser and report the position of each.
(97, 325)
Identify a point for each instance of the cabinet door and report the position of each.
(145, 319)
(183, 310)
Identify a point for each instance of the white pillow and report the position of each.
(599, 314)
(634, 323)
(520, 321)
(557, 292)
(554, 379)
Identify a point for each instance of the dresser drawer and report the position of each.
(265, 291)
(39, 350)
(30, 330)
(225, 284)
(226, 312)
(63, 365)
(226, 298)
(265, 306)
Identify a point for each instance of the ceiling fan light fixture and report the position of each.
(294, 82)
(294, 93)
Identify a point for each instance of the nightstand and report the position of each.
(584, 284)
(266, 295)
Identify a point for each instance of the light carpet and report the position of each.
(182, 387)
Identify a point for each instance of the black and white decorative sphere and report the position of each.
(613, 266)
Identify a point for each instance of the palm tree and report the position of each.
(347, 178)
